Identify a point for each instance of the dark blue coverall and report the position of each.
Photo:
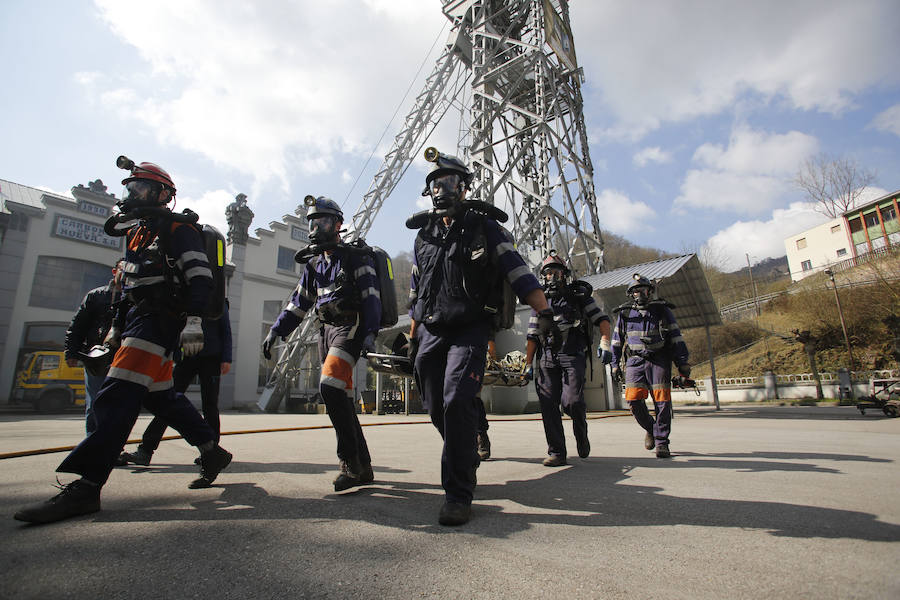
(345, 291)
(560, 377)
(653, 342)
(207, 367)
(141, 372)
(453, 330)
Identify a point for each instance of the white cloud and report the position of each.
(697, 58)
(888, 120)
(210, 206)
(268, 90)
(747, 177)
(762, 239)
(622, 215)
(651, 154)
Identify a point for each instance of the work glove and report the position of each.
(529, 374)
(368, 344)
(616, 373)
(604, 354)
(113, 339)
(684, 370)
(268, 343)
(548, 331)
(192, 336)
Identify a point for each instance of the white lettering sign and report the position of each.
(83, 231)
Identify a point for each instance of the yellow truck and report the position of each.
(48, 383)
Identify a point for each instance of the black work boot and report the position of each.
(76, 498)
(584, 445)
(366, 474)
(141, 456)
(484, 445)
(662, 451)
(349, 476)
(454, 513)
(649, 441)
(555, 460)
(211, 463)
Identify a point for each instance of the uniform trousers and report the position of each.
(449, 369)
(650, 376)
(141, 374)
(208, 369)
(339, 349)
(560, 382)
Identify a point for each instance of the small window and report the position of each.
(888, 214)
(835, 229)
(286, 259)
(855, 225)
(842, 252)
(806, 265)
(801, 243)
(872, 219)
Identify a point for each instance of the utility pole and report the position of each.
(837, 299)
(753, 286)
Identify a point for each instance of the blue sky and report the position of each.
(698, 113)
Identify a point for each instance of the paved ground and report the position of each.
(758, 502)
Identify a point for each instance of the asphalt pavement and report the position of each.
(756, 502)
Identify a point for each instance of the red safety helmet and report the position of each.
(554, 260)
(148, 170)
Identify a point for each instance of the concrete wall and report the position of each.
(822, 245)
(18, 260)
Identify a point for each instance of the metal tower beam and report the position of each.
(525, 140)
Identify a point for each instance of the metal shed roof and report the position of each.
(680, 280)
(22, 194)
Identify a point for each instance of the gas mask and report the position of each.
(641, 295)
(446, 191)
(554, 280)
(323, 229)
(139, 193)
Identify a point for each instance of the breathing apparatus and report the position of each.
(143, 197)
(554, 275)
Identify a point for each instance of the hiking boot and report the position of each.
(121, 460)
(350, 475)
(366, 475)
(138, 457)
(76, 498)
(484, 445)
(211, 463)
(555, 460)
(649, 441)
(662, 451)
(455, 513)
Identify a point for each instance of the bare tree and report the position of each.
(834, 184)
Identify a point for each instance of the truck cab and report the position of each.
(45, 381)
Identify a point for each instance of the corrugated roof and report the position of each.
(680, 280)
(22, 194)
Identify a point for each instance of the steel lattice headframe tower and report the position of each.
(512, 64)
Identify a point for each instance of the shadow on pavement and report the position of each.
(592, 493)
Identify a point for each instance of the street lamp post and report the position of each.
(837, 299)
